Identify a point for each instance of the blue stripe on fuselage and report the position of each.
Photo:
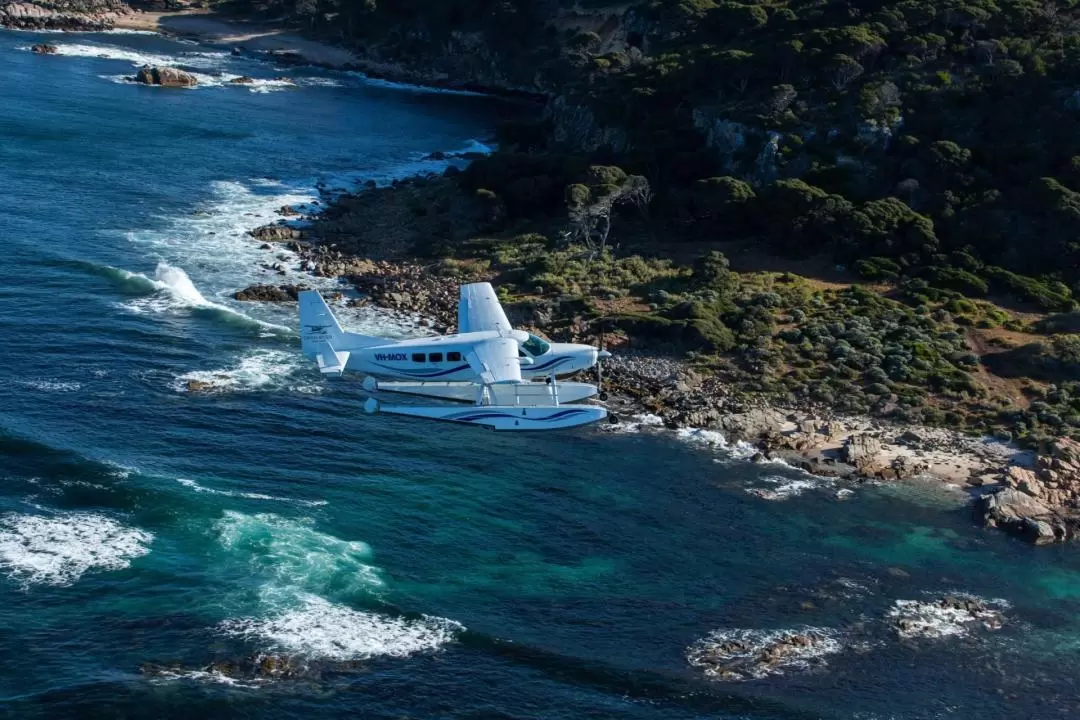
(548, 365)
(424, 373)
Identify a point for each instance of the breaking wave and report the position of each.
(200, 59)
(321, 630)
(300, 568)
(292, 556)
(59, 548)
(171, 290)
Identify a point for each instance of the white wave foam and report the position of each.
(786, 487)
(944, 617)
(206, 676)
(57, 549)
(294, 557)
(260, 369)
(740, 450)
(261, 85)
(51, 385)
(120, 472)
(203, 60)
(126, 31)
(741, 654)
(321, 630)
(635, 424)
(247, 495)
(318, 82)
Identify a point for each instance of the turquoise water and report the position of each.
(410, 570)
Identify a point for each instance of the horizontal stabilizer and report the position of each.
(330, 361)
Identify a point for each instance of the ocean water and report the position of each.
(157, 545)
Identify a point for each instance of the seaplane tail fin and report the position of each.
(319, 329)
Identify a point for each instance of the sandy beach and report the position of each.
(210, 28)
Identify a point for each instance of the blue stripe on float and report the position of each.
(473, 416)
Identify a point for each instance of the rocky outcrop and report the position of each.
(242, 80)
(410, 289)
(72, 15)
(1040, 504)
(747, 654)
(276, 233)
(950, 615)
(269, 293)
(165, 77)
(863, 453)
(43, 49)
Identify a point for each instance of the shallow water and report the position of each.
(413, 570)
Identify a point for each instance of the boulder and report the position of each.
(242, 80)
(269, 293)
(165, 77)
(862, 452)
(275, 233)
(1020, 514)
(43, 49)
(1042, 503)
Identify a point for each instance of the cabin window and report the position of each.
(435, 357)
(418, 357)
(535, 346)
(453, 357)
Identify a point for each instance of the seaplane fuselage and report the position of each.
(444, 358)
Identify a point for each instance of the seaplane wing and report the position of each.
(479, 309)
(495, 360)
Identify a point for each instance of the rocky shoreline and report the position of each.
(1036, 498)
(1033, 496)
(67, 15)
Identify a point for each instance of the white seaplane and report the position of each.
(509, 376)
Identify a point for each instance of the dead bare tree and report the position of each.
(590, 218)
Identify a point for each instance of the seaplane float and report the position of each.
(508, 377)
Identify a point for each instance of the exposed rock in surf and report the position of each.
(242, 80)
(253, 670)
(43, 49)
(276, 233)
(947, 616)
(165, 77)
(747, 654)
(199, 386)
(1040, 505)
(269, 293)
(287, 211)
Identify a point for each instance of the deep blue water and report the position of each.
(415, 570)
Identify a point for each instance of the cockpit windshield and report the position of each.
(535, 346)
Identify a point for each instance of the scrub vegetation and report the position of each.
(896, 185)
